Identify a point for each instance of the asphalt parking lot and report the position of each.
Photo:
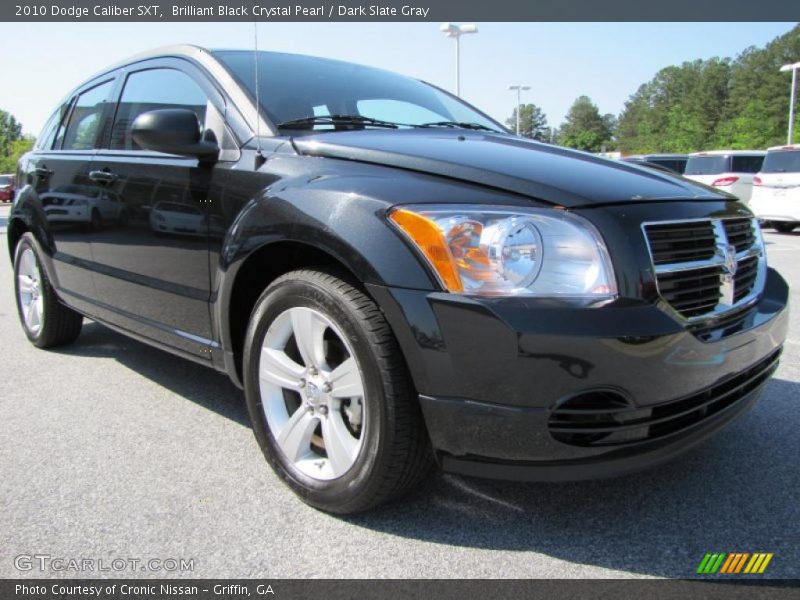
(111, 449)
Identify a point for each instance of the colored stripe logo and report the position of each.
(734, 563)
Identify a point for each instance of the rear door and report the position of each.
(59, 172)
(152, 252)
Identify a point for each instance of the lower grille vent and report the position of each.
(606, 419)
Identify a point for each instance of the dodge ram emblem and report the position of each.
(729, 266)
(729, 254)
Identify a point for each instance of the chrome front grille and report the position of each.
(707, 267)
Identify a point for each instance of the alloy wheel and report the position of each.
(312, 393)
(30, 291)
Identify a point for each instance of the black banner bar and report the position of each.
(402, 10)
(288, 589)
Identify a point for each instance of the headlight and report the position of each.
(489, 251)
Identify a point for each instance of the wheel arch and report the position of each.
(24, 220)
(16, 229)
(301, 225)
(255, 273)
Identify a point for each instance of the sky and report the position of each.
(40, 62)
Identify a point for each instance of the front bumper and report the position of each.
(492, 372)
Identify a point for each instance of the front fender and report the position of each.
(340, 217)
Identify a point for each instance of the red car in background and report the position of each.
(6, 188)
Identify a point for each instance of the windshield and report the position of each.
(707, 165)
(6, 180)
(295, 87)
(782, 161)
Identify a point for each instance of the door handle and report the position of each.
(102, 176)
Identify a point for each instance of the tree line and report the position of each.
(12, 143)
(738, 103)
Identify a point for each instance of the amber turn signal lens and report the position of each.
(431, 242)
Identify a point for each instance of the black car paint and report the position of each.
(486, 369)
(560, 175)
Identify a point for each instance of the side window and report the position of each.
(747, 164)
(86, 118)
(45, 139)
(152, 90)
(62, 127)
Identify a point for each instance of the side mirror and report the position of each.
(173, 131)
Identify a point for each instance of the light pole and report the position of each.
(452, 30)
(519, 89)
(792, 98)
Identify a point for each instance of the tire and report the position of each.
(783, 226)
(55, 325)
(392, 452)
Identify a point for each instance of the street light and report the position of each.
(792, 98)
(519, 89)
(452, 30)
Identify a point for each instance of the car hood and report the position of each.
(550, 173)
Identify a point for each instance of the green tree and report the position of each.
(611, 124)
(585, 128)
(715, 103)
(10, 132)
(679, 110)
(756, 114)
(8, 163)
(532, 122)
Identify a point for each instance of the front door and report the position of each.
(151, 253)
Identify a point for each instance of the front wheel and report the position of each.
(329, 395)
(47, 323)
(784, 227)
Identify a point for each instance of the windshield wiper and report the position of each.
(359, 120)
(458, 125)
(340, 120)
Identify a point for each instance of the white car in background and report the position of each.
(729, 170)
(776, 189)
(76, 203)
(177, 218)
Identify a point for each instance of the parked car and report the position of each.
(172, 217)
(672, 162)
(401, 281)
(78, 203)
(649, 165)
(776, 188)
(730, 170)
(6, 188)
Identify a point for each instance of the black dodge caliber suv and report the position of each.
(392, 278)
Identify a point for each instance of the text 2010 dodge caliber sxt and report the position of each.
(392, 278)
